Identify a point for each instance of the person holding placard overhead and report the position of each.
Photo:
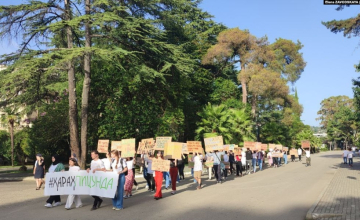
(299, 153)
(119, 166)
(248, 155)
(209, 158)
(197, 159)
(96, 165)
(308, 159)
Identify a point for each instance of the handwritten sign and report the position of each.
(161, 141)
(285, 148)
(232, 147)
(278, 146)
(116, 145)
(209, 164)
(264, 147)
(305, 144)
(100, 183)
(214, 143)
(277, 154)
(237, 151)
(161, 165)
(272, 146)
(293, 152)
(226, 147)
(103, 146)
(146, 145)
(184, 148)
(249, 144)
(173, 150)
(194, 146)
(258, 146)
(128, 147)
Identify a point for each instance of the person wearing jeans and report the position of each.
(345, 155)
(350, 157)
(144, 169)
(260, 159)
(166, 176)
(120, 167)
(248, 156)
(216, 156)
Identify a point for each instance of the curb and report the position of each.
(311, 215)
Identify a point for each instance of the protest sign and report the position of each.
(209, 164)
(277, 154)
(293, 152)
(146, 145)
(100, 183)
(214, 143)
(278, 146)
(249, 144)
(128, 147)
(103, 146)
(160, 165)
(161, 141)
(184, 149)
(272, 146)
(226, 147)
(194, 146)
(264, 147)
(285, 148)
(232, 147)
(305, 144)
(257, 146)
(173, 150)
(116, 145)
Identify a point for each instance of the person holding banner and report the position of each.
(275, 159)
(119, 167)
(226, 159)
(73, 166)
(96, 165)
(129, 178)
(181, 166)
(56, 166)
(307, 154)
(197, 159)
(173, 175)
(158, 178)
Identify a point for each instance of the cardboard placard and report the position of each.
(257, 146)
(160, 165)
(103, 146)
(116, 145)
(272, 146)
(214, 143)
(274, 154)
(232, 147)
(285, 148)
(294, 152)
(128, 147)
(173, 150)
(146, 145)
(184, 149)
(278, 146)
(237, 151)
(249, 144)
(161, 141)
(226, 147)
(194, 146)
(209, 164)
(264, 147)
(305, 144)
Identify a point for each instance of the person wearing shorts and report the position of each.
(198, 168)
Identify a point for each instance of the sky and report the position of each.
(330, 57)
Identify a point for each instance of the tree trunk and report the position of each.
(73, 115)
(86, 88)
(12, 141)
(243, 85)
(253, 106)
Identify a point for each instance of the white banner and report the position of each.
(100, 183)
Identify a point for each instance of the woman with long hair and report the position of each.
(158, 178)
(119, 166)
(129, 178)
(39, 171)
(73, 166)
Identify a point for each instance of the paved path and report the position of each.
(285, 193)
(341, 199)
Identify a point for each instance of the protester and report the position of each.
(107, 162)
(270, 159)
(129, 178)
(166, 176)
(198, 168)
(39, 171)
(150, 172)
(350, 158)
(232, 161)
(56, 166)
(308, 159)
(260, 157)
(292, 156)
(264, 156)
(173, 175)
(254, 159)
(226, 160)
(209, 158)
(243, 160)
(96, 165)
(133, 169)
(353, 149)
(299, 153)
(119, 166)
(279, 158)
(181, 166)
(275, 159)
(345, 155)
(145, 168)
(158, 178)
(217, 169)
(238, 164)
(248, 161)
(285, 157)
(73, 166)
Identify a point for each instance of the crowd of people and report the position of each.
(221, 165)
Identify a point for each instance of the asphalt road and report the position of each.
(275, 193)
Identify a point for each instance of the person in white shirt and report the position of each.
(345, 155)
(150, 172)
(308, 159)
(217, 169)
(96, 165)
(209, 158)
(73, 166)
(299, 153)
(129, 178)
(350, 158)
(107, 162)
(119, 167)
(197, 159)
(353, 149)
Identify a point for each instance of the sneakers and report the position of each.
(57, 204)
(146, 187)
(137, 187)
(67, 208)
(173, 192)
(79, 206)
(152, 191)
(48, 205)
(117, 209)
(114, 208)
(93, 208)
(125, 197)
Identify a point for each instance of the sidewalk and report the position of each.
(340, 200)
